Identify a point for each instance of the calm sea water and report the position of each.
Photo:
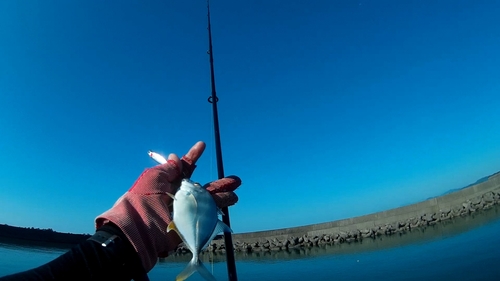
(463, 249)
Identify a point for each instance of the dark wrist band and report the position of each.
(104, 238)
(113, 240)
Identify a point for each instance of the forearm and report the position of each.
(90, 261)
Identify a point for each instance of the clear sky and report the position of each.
(328, 109)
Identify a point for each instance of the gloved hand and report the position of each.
(144, 212)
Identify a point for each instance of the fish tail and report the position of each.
(195, 265)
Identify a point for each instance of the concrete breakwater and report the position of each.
(480, 196)
(418, 235)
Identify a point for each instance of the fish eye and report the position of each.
(197, 184)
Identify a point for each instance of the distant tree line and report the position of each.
(40, 235)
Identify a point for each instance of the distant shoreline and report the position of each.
(39, 237)
(458, 202)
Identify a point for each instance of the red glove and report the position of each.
(143, 213)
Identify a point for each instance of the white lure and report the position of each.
(195, 219)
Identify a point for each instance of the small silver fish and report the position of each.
(196, 221)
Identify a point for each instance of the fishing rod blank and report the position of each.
(228, 241)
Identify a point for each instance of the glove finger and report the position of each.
(158, 179)
(225, 199)
(172, 168)
(189, 160)
(226, 184)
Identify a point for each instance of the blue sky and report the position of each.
(328, 109)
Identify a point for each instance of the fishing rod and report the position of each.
(228, 240)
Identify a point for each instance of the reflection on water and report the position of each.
(15, 258)
(8, 244)
(419, 235)
(465, 248)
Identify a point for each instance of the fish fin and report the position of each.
(195, 265)
(222, 227)
(219, 227)
(170, 195)
(204, 272)
(172, 226)
(188, 271)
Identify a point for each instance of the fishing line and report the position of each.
(212, 261)
(212, 174)
(212, 149)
